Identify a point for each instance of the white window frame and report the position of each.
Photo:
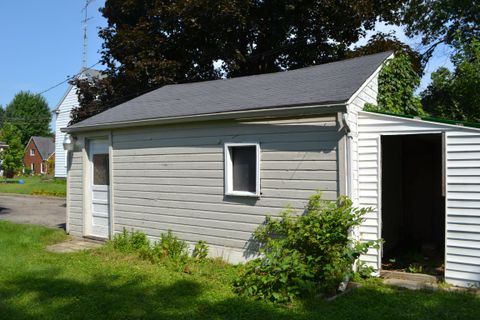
(42, 170)
(32, 152)
(228, 180)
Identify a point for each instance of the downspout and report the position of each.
(348, 154)
(348, 157)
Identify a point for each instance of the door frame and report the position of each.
(443, 134)
(87, 186)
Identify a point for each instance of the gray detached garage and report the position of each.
(210, 160)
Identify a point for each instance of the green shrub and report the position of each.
(134, 241)
(363, 271)
(169, 245)
(200, 252)
(168, 250)
(313, 251)
(279, 276)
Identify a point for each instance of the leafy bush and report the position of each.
(363, 271)
(279, 276)
(313, 251)
(200, 252)
(171, 246)
(134, 241)
(168, 246)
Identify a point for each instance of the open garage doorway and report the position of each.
(413, 203)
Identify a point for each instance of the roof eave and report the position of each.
(269, 112)
(441, 123)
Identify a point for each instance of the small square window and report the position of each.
(242, 169)
(32, 152)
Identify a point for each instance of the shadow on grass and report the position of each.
(46, 295)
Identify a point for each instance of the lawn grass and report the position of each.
(104, 284)
(34, 185)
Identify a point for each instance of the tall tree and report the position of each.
(455, 94)
(441, 21)
(12, 157)
(151, 43)
(30, 114)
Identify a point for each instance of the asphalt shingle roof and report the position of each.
(45, 146)
(323, 84)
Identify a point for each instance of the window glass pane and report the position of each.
(244, 162)
(100, 169)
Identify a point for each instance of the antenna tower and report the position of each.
(85, 33)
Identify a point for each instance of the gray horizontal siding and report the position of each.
(75, 194)
(171, 177)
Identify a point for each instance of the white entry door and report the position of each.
(99, 186)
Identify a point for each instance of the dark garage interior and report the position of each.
(413, 205)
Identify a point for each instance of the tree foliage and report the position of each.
(455, 94)
(397, 82)
(12, 157)
(441, 21)
(30, 114)
(148, 44)
(382, 42)
(2, 116)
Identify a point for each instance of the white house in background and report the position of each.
(64, 107)
(210, 160)
(3, 146)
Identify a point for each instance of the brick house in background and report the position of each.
(37, 152)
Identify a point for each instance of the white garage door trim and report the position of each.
(98, 179)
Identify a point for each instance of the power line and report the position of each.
(66, 80)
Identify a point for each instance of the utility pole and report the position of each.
(85, 33)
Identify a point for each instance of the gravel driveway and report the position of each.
(33, 210)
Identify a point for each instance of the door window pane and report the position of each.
(244, 162)
(100, 169)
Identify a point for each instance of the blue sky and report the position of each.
(41, 45)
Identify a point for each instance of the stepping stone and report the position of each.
(73, 245)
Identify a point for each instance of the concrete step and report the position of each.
(411, 284)
(418, 277)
